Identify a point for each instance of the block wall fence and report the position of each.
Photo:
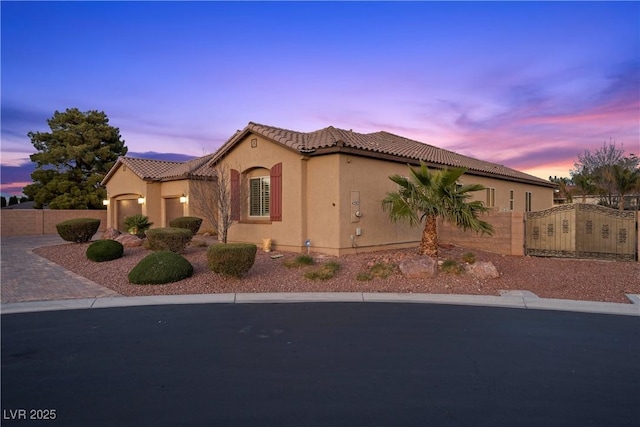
(29, 222)
(507, 238)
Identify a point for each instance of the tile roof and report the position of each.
(164, 170)
(378, 144)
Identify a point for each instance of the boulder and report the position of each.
(110, 234)
(482, 270)
(129, 240)
(414, 268)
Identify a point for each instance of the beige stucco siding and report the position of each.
(172, 190)
(368, 180)
(324, 204)
(124, 184)
(541, 197)
(263, 154)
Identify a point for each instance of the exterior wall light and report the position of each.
(183, 199)
(140, 200)
(105, 202)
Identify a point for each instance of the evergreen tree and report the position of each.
(72, 159)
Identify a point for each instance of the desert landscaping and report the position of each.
(587, 280)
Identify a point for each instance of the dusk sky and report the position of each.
(530, 85)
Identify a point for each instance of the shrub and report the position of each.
(382, 270)
(189, 222)
(299, 261)
(451, 266)
(469, 257)
(105, 250)
(325, 272)
(137, 224)
(364, 276)
(160, 267)
(168, 239)
(231, 259)
(79, 230)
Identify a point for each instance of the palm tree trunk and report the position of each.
(429, 243)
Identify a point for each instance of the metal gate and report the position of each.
(582, 231)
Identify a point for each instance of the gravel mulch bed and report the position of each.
(589, 280)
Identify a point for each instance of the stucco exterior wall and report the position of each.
(124, 184)
(541, 197)
(287, 234)
(364, 183)
(324, 206)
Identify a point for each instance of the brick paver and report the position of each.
(29, 277)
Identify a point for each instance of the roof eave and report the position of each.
(416, 161)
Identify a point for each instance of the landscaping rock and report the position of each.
(129, 240)
(418, 267)
(110, 234)
(482, 270)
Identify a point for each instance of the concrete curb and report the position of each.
(508, 299)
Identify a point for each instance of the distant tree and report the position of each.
(626, 181)
(563, 190)
(428, 195)
(606, 172)
(72, 159)
(13, 200)
(24, 199)
(584, 186)
(3, 201)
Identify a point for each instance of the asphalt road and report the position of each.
(322, 364)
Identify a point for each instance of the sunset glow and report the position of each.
(530, 85)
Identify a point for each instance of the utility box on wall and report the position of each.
(355, 206)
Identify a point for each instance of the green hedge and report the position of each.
(192, 223)
(168, 239)
(105, 250)
(159, 268)
(231, 259)
(79, 230)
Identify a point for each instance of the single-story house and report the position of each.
(323, 188)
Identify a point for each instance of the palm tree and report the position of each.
(584, 185)
(428, 195)
(626, 181)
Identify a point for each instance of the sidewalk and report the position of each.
(31, 283)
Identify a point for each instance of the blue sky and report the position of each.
(527, 84)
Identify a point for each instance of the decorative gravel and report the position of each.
(589, 280)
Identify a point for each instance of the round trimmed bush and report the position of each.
(192, 223)
(159, 268)
(105, 250)
(78, 230)
(231, 259)
(168, 239)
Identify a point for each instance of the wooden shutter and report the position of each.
(276, 193)
(235, 195)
